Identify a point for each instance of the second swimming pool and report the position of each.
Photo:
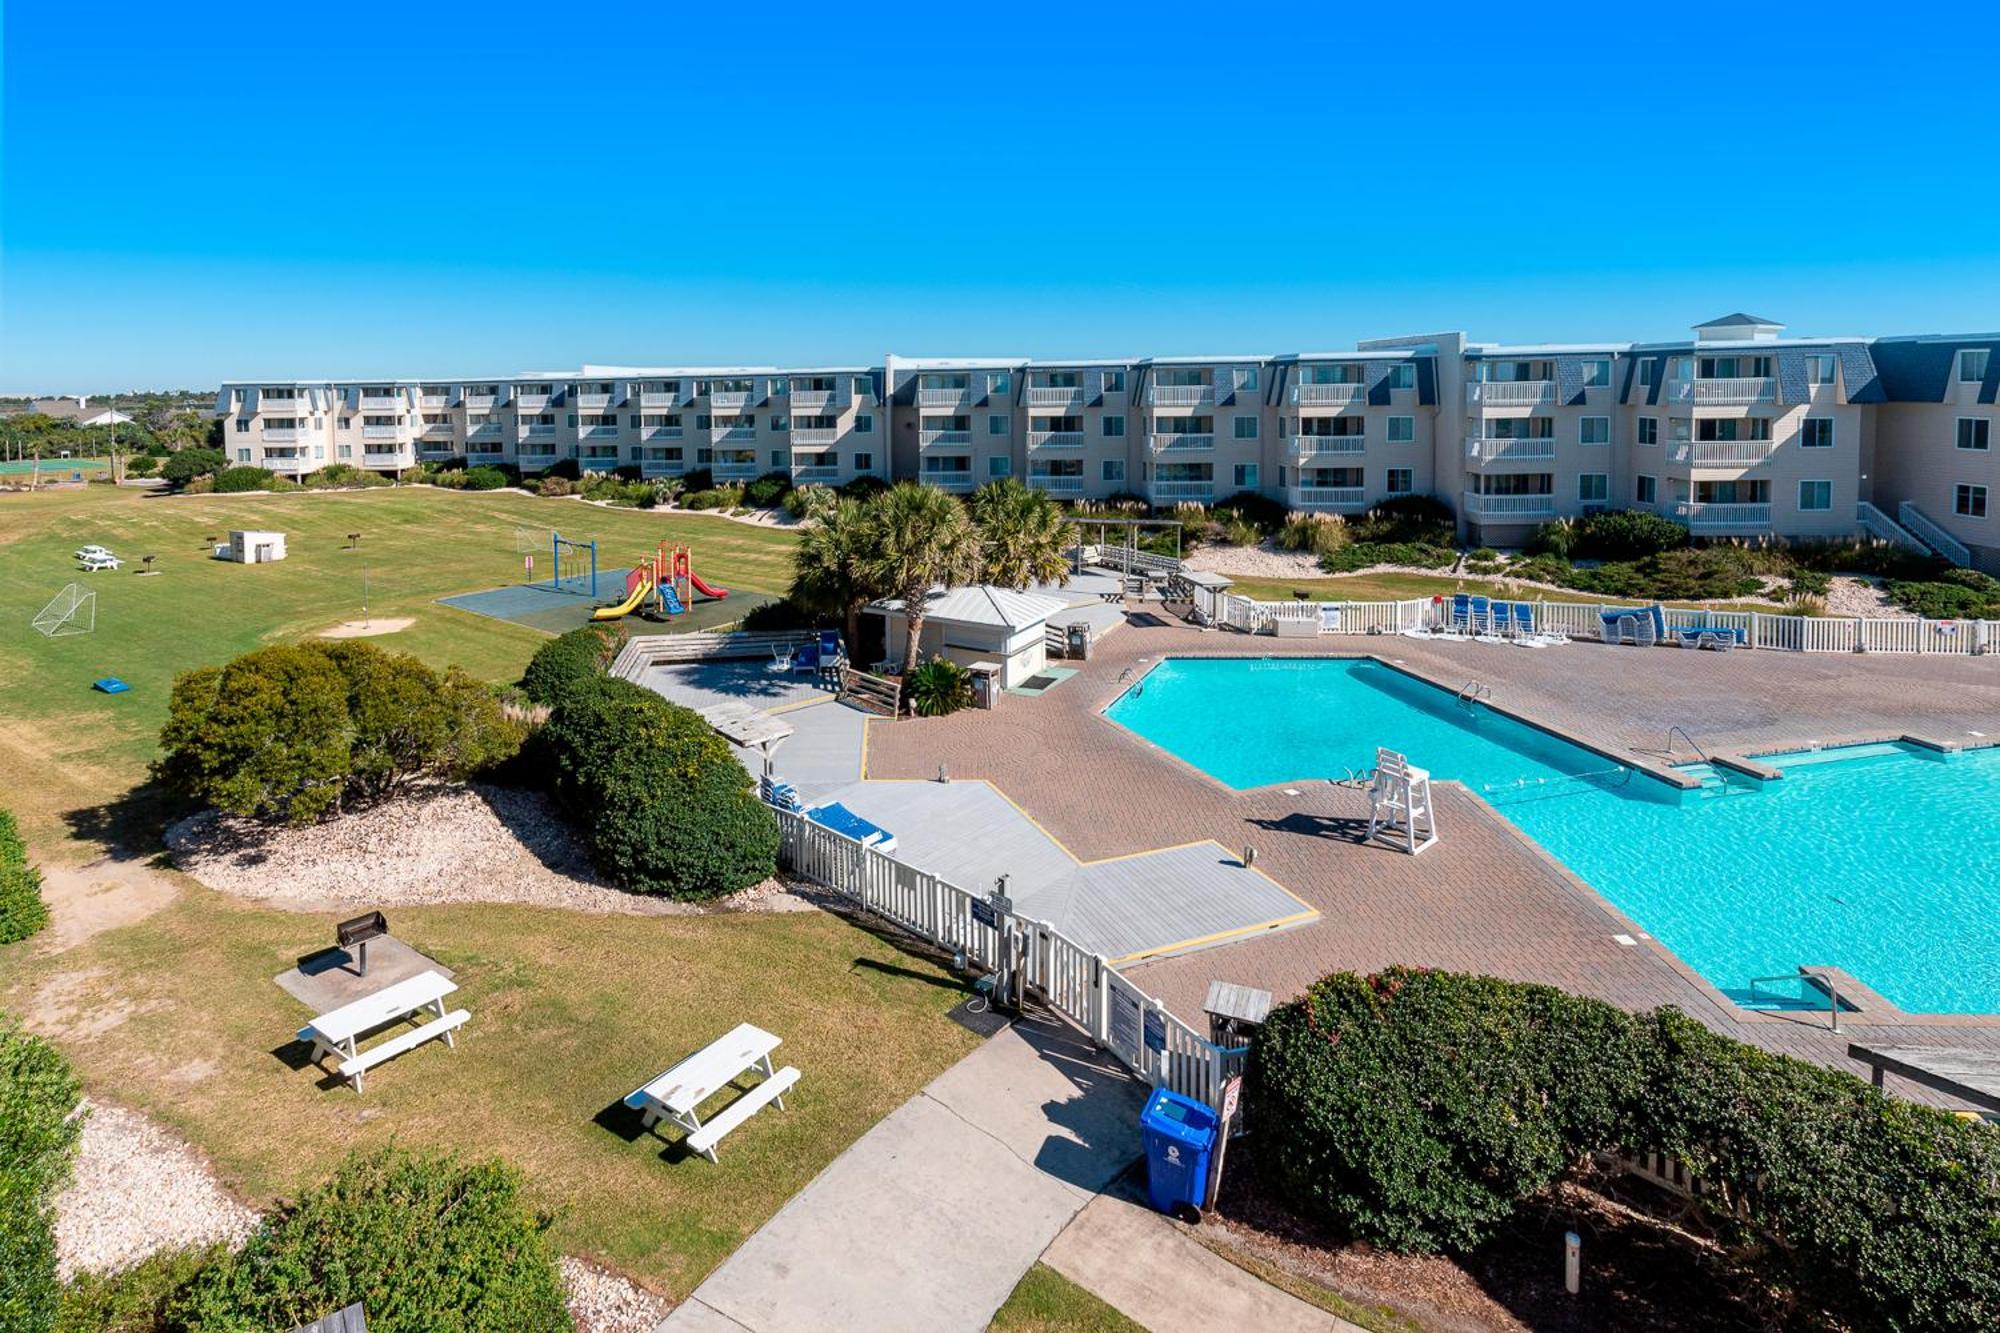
(1875, 859)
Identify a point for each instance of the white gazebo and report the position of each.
(982, 623)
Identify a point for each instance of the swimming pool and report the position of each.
(1875, 859)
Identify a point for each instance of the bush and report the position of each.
(938, 687)
(485, 477)
(22, 911)
(554, 485)
(1809, 583)
(566, 468)
(1958, 594)
(236, 480)
(295, 731)
(135, 1299)
(1415, 1109)
(629, 472)
(1257, 511)
(424, 1243)
(340, 475)
(188, 464)
(1318, 534)
(38, 1133)
(569, 660)
(809, 500)
(411, 475)
(659, 796)
(768, 491)
(1681, 575)
(1555, 539)
(784, 614)
(1407, 520)
(144, 465)
(1360, 555)
(707, 499)
(698, 479)
(1625, 534)
(863, 488)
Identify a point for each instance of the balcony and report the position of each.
(661, 467)
(538, 432)
(527, 402)
(802, 435)
(436, 402)
(1312, 446)
(1339, 499)
(481, 401)
(801, 475)
(735, 436)
(381, 432)
(947, 481)
(376, 456)
(1050, 395)
(1055, 439)
(486, 430)
(1510, 508)
(934, 397)
(1509, 393)
(811, 401)
(443, 432)
(660, 432)
(536, 449)
(1723, 393)
(733, 471)
(1056, 485)
(1724, 518)
(487, 449)
(723, 400)
(1328, 395)
(597, 433)
(656, 399)
(431, 449)
(1182, 444)
(378, 403)
(955, 439)
(281, 434)
(1177, 491)
(594, 402)
(1483, 449)
(1722, 453)
(1181, 395)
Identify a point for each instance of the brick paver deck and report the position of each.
(1486, 899)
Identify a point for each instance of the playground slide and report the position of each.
(717, 593)
(670, 601)
(641, 588)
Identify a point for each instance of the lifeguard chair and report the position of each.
(1399, 804)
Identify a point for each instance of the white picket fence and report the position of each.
(1143, 1033)
(1584, 620)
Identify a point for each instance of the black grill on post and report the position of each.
(354, 935)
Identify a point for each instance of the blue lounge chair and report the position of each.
(841, 820)
(806, 658)
(781, 794)
(1461, 613)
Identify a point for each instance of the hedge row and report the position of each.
(38, 1133)
(1416, 1109)
(22, 911)
(569, 660)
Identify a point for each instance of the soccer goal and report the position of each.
(531, 541)
(72, 611)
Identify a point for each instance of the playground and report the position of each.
(664, 590)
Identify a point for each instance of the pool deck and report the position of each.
(1486, 898)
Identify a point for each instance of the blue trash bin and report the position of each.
(1180, 1135)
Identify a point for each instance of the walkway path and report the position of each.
(930, 1219)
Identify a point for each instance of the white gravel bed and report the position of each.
(602, 1302)
(137, 1189)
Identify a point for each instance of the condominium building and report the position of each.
(1737, 431)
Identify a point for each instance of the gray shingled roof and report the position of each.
(1729, 321)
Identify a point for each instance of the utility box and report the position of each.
(1076, 641)
(985, 684)
(253, 548)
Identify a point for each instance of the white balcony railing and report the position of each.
(536, 449)
(734, 471)
(433, 449)
(1510, 393)
(381, 432)
(1721, 453)
(934, 397)
(952, 438)
(438, 430)
(815, 435)
(1490, 449)
(815, 473)
(1510, 506)
(597, 433)
(435, 401)
(948, 481)
(733, 435)
(1181, 395)
(1328, 497)
(1182, 490)
(593, 402)
(1182, 444)
(724, 399)
(1702, 516)
(1328, 395)
(660, 432)
(538, 432)
(281, 434)
(656, 399)
(661, 467)
(481, 401)
(488, 431)
(1055, 439)
(1056, 485)
(377, 454)
(1050, 395)
(378, 403)
(1310, 446)
(485, 449)
(811, 401)
(1724, 393)
(527, 402)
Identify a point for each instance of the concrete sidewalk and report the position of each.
(932, 1217)
(1155, 1273)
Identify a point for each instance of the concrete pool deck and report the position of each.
(1486, 899)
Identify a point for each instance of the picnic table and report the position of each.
(677, 1094)
(338, 1033)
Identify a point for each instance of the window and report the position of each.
(1402, 480)
(1645, 490)
(780, 423)
(1114, 469)
(1732, 429)
(1815, 495)
(1245, 378)
(1972, 365)
(1593, 487)
(572, 421)
(1402, 430)
(1594, 430)
(1816, 433)
(1649, 430)
(1246, 476)
(999, 465)
(1974, 433)
(1114, 428)
(242, 425)
(1402, 375)
(864, 423)
(1002, 382)
(779, 459)
(243, 456)
(1597, 372)
(997, 424)
(1969, 502)
(1246, 428)
(1819, 368)
(864, 462)
(1114, 382)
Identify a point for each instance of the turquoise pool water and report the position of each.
(1877, 859)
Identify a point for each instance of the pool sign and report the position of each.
(1156, 1030)
(983, 913)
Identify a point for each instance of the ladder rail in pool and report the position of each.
(1826, 985)
(1474, 692)
(1680, 731)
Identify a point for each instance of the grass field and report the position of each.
(63, 747)
(1398, 587)
(1045, 1301)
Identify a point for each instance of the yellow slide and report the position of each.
(640, 591)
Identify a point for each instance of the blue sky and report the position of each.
(219, 190)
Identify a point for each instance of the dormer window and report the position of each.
(1597, 372)
(1402, 375)
(1341, 374)
(1819, 368)
(1972, 365)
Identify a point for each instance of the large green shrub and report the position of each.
(1957, 594)
(768, 491)
(22, 911)
(236, 480)
(569, 660)
(659, 796)
(1360, 555)
(188, 464)
(486, 477)
(424, 1243)
(1686, 574)
(293, 731)
(1407, 519)
(38, 1133)
(1415, 1109)
(1625, 534)
(337, 475)
(137, 1298)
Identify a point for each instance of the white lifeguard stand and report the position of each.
(1399, 804)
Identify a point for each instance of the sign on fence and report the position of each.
(983, 913)
(1156, 1030)
(1124, 1024)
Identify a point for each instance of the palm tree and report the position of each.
(829, 565)
(1024, 535)
(920, 539)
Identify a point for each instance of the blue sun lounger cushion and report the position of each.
(110, 685)
(841, 820)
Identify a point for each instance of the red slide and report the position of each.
(717, 593)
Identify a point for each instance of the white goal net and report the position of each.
(71, 611)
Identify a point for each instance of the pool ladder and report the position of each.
(1475, 692)
(1818, 981)
(1682, 733)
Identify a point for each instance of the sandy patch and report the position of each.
(367, 629)
(64, 1007)
(102, 895)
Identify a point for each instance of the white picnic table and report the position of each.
(337, 1033)
(677, 1094)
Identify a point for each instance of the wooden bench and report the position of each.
(772, 1089)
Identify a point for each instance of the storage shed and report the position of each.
(982, 623)
(253, 548)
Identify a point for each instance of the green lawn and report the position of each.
(1045, 1301)
(63, 746)
(1399, 587)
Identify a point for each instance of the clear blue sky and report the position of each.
(216, 190)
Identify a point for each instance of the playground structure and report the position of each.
(71, 611)
(572, 565)
(667, 582)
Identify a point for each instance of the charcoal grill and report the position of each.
(353, 936)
